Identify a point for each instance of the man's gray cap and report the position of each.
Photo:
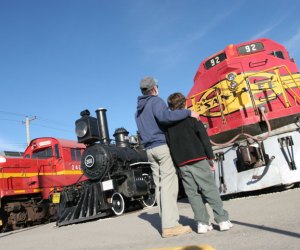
(148, 83)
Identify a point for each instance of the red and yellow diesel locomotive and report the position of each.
(29, 185)
(233, 86)
(248, 95)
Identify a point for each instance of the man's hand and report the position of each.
(212, 165)
(194, 114)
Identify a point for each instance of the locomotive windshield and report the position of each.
(43, 153)
(278, 54)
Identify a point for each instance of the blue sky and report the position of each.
(60, 57)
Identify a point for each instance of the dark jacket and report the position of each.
(152, 117)
(188, 142)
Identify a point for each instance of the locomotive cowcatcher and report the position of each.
(29, 185)
(118, 174)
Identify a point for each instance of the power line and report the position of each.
(38, 117)
(11, 113)
(28, 120)
(39, 125)
(10, 120)
(51, 121)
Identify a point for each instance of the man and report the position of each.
(192, 152)
(152, 118)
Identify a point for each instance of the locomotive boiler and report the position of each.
(118, 174)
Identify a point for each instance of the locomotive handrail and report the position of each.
(249, 88)
(287, 86)
(286, 100)
(220, 105)
(279, 80)
(258, 138)
(251, 95)
(140, 163)
(219, 100)
(257, 64)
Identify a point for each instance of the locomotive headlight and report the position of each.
(2, 159)
(81, 128)
(231, 77)
(233, 85)
(86, 128)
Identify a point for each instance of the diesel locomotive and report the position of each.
(30, 182)
(118, 174)
(248, 96)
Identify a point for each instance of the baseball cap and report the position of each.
(148, 83)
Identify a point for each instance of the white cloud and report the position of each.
(172, 53)
(293, 44)
(267, 30)
(262, 33)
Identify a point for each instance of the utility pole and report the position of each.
(27, 123)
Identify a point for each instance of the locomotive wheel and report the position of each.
(118, 204)
(149, 200)
(3, 218)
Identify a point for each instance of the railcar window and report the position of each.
(13, 153)
(75, 154)
(278, 54)
(78, 154)
(215, 60)
(56, 151)
(250, 48)
(43, 153)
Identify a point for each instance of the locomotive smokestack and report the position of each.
(102, 125)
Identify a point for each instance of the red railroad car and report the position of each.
(28, 185)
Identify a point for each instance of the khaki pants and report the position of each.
(166, 181)
(200, 186)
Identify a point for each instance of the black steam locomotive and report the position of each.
(117, 176)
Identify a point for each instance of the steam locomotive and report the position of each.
(248, 95)
(119, 174)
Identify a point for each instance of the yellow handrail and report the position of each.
(283, 86)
